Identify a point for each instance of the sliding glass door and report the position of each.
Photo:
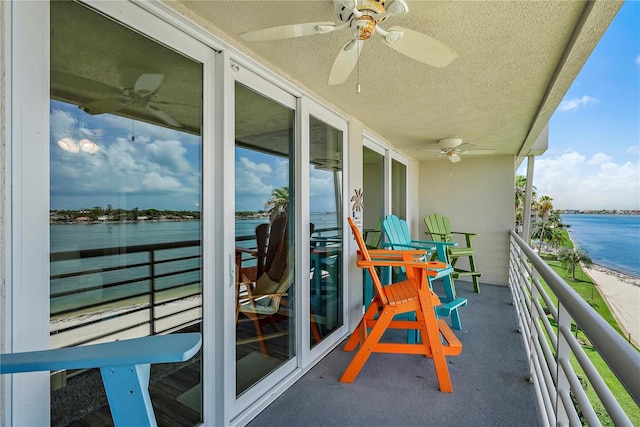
(326, 244)
(265, 215)
(126, 154)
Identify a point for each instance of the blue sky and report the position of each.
(594, 135)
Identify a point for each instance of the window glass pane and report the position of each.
(125, 195)
(373, 192)
(398, 189)
(325, 202)
(265, 309)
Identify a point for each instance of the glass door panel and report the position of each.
(398, 189)
(373, 192)
(264, 207)
(125, 194)
(325, 202)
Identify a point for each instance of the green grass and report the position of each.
(589, 292)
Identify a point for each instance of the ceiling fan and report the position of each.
(453, 148)
(137, 92)
(363, 17)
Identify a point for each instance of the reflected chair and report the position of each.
(262, 301)
(269, 237)
(439, 228)
(412, 295)
(398, 238)
(373, 236)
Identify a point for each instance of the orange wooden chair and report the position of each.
(412, 295)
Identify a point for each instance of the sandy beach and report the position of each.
(622, 294)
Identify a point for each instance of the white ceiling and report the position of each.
(516, 61)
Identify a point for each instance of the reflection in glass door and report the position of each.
(125, 197)
(265, 286)
(325, 202)
(373, 192)
(398, 189)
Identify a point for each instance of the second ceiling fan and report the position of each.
(363, 17)
(452, 148)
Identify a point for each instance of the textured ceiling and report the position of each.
(516, 61)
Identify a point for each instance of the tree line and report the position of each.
(98, 213)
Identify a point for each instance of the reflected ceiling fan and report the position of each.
(362, 18)
(452, 148)
(139, 92)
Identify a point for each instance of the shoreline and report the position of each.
(621, 293)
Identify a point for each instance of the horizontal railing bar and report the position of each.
(98, 270)
(119, 250)
(102, 287)
(176, 272)
(119, 267)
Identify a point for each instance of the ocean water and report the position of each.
(612, 241)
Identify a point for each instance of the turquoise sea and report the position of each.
(612, 241)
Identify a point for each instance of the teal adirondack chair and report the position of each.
(399, 238)
(439, 228)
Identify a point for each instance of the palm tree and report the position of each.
(278, 204)
(544, 207)
(546, 234)
(571, 257)
(520, 194)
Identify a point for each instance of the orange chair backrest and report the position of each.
(363, 254)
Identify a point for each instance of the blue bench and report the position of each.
(124, 365)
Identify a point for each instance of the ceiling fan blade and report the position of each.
(454, 158)
(418, 5)
(479, 151)
(464, 146)
(148, 83)
(164, 116)
(106, 105)
(61, 81)
(345, 62)
(421, 47)
(288, 31)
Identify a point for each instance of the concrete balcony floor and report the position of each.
(490, 380)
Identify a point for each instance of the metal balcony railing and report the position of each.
(553, 351)
(105, 294)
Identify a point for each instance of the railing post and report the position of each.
(152, 291)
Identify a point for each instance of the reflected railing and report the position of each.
(569, 388)
(105, 294)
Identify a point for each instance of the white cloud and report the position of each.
(252, 191)
(577, 182)
(575, 103)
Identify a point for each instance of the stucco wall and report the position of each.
(477, 195)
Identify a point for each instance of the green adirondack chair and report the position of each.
(439, 228)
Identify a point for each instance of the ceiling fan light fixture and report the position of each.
(68, 144)
(453, 157)
(88, 146)
(364, 27)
